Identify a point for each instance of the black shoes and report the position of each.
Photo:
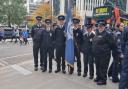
(36, 69)
(63, 71)
(96, 80)
(44, 70)
(58, 70)
(115, 80)
(79, 74)
(50, 71)
(41, 68)
(91, 77)
(101, 82)
(84, 75)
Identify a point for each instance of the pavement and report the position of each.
(16, 72)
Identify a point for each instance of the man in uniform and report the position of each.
(102, 45)
(47, 45)
(87, 50)
(36, 35)
(124, 73)
(115, 66)
(60, 39)
(78, 35)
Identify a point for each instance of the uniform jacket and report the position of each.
(60, 37)
(36, 33)
(87, 42)
(47, 38)
(103, 43)
(124, 45)
(78, 39)
(118, 37)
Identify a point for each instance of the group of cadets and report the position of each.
(95, 44)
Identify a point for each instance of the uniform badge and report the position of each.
(50, 34)
(118, 40)
(100, 36)
(77, 34)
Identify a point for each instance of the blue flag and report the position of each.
(69, 50)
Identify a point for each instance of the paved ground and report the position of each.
(16, 72)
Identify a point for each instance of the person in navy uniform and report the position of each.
(77, 34)
(47, 45)
(87, 51)
(114, 69)
(60, 39)
(124, 73)
(36, 35)
(102, 44)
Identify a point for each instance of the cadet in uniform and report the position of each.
(36, 35)
(47, 45)
(87, 50)
(124, 74)
(60, 39)
(115, 66)
(102, 45)
(77, 33)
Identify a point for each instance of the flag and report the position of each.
(69, 50)
(117, 14)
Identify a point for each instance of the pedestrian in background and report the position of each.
(25, 36)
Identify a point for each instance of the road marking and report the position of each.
(2, 64)
(21, 69)
(5, 47)
(15, 56)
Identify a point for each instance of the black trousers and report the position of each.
(25, 40)
(89, 60)
(60, 57)
(36, 49)
(102, 63)
(47, 52)
(114, 70)
(124, 73)
(78, 59)
(77, 56)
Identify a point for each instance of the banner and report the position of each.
(124, 20)
(103, 12)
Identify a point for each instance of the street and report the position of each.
(16, 72)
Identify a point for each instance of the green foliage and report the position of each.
(12, 11)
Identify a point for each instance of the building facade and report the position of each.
(85, 7)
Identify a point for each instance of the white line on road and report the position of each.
(21, 69)
(5, 47)
(15, 56)
(2, 64)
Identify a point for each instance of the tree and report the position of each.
(44, 10)
(13, 12)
